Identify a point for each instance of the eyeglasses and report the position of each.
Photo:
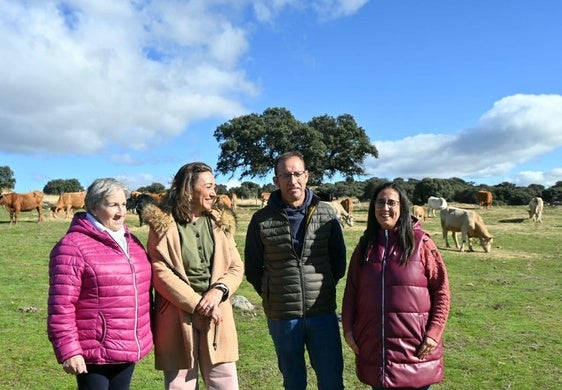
(390, 203)
(289, 175)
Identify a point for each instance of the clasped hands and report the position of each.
(425, 348)
(208, 306)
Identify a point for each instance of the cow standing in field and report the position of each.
(347, 204)
(419, 212)
(15, 203)
(435, 203)
(234, 201)
(222, 201)
(469, 224)
(140, 203)
(264, 197)
(132, 201)
(536, 206)
(484, 198)
(342, 215)
(69, 201)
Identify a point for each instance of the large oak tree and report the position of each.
(251, 143)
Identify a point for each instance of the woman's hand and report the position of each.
(75, 365)
(350, 340)
(426, 347)
(209, 303)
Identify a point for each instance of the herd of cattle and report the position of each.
(454, 220)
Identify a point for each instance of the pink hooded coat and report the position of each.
(99, 298)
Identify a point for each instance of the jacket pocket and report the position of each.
(103, 327)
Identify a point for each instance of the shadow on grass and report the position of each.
(513, 220)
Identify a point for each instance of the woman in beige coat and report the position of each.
(196, 267)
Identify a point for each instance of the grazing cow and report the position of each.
(342, 215)
(469, 224)
(419, 212)
(434, 203)
(15, 203)
(264, 197)
(536, 206)
(69, 201)
(347, 204)
(234, 201)
(484, 198)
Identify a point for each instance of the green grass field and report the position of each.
(504, 329)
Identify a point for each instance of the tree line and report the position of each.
(453, 189)
(250, 144)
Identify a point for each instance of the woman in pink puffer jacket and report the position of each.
(99, 295)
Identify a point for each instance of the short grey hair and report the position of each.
(100, 189)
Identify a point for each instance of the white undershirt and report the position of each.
(118, 236)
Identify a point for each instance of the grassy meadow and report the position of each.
(504, 329)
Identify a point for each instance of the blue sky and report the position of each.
(135, 89)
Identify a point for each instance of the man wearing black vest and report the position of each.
(294, 256)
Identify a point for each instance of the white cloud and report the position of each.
(517, 129)
(85, 76)
(105, 73)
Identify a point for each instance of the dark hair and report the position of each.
(286, 156)
(404, 225)
(181, 192)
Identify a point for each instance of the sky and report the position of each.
(135, 89)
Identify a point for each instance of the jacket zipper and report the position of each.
(136, 288)
(383, 290)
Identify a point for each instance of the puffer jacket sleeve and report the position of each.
(65, 272)
(438, 286)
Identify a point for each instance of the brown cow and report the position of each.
(264, 198)
(347, 204)
(69, 201)
(15, 203)
(222, 201)
(419, 212)
(484, 198)
(234, 201)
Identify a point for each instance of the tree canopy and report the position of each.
(251, 143)
(7, 180)
(58, 186)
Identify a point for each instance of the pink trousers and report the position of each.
(221, 376)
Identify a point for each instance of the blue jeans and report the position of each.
(321, 336)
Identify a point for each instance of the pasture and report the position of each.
(504, 329)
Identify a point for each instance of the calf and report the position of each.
(419, 212)
(536, 206)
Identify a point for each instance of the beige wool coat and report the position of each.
(175, 300)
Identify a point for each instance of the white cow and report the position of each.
(434, 203)
(342, 215)
(536, 206)
(469, 224)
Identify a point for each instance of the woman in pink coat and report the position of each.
(99, 295)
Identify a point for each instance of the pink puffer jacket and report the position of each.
(99, 299)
